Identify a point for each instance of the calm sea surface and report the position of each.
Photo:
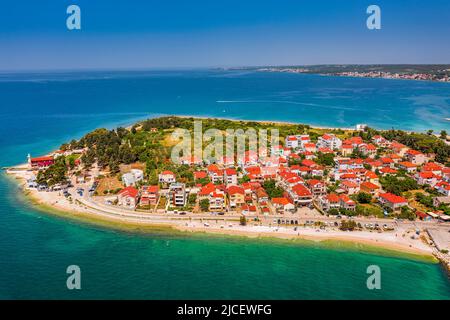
(40, 111)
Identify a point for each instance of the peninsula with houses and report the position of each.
(386, 188)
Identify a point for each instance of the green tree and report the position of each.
(244, 179)
(364, 197)
(204, 204)
(333, 212)
(192, 199)
(326, 159)
(273, 191)
(407, 213)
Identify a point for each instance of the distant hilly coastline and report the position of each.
(429, 72)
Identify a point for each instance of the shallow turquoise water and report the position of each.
(41, 111)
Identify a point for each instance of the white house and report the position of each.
(167, 177)
(329, 141)
(177, 194)
(128, 197)
(130, 178)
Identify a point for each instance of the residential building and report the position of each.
(392, 201)
(369, 187)
(283, 205)
(128, 197)
(177, 194)
(132, 177)
(437, 201)
(261, 195)
(167, 177)
(217, 201)
(346, 203)
(329, 201)
(407, 166)
(317, 187)
(300, 195)
(349, 187)
(230, 176)
(415, 157)
(329, 141)
(149, 195)
(236, 196)
(40, 162)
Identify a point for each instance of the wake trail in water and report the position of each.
(287, 102)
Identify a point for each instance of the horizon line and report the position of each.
(175, 68)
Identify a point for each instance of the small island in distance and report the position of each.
(427, 72)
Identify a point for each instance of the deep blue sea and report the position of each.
(40, 111)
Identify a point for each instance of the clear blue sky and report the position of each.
(209, 33)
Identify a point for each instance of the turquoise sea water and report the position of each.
(40, 111)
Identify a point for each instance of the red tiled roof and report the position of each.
(213, 167)
(431, 166)
(369, 185)
(200, 174)
(333, 198)
(308, 163)
(230, 172)
(371, 175)
(426, 174)
(281, 201)
(261, 193)
(207, 189)
(253, 170)
(301, 190)
(349, 184)
(346, 199)
(313, 182)
(217, 195)
(129, 191)
(326, 150)
(348, 176)
(44, 158)
(413, 152)
(150, 189)
(407, 164)
(388, 170)
(235, 189)
(392, 198)
(421, 214)
(386, 160)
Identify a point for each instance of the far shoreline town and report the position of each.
(438, 73)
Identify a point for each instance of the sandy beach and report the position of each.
(265, 122)
(54, 203)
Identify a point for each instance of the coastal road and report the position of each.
(117, 212)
